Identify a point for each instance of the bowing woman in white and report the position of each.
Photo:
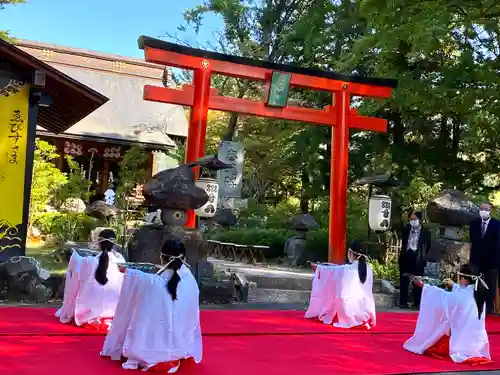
(93, 286)
(343, 294)
(451, 325)
(157, 321)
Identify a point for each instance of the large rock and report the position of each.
(225, 217)
(449, 253)
(383, 286)
(17, 265)
(453, 208)
(101, 210)
(295, 249)
(20, 281)
(215, 287)
(73, 205)
(175, 189)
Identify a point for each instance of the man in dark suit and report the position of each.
(412, 258)
(484, 235)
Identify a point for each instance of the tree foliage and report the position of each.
(443, 116)
(77, 186)
(4, 34)
(47, 178)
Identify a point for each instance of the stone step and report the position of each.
(267, 295)
(270, 277)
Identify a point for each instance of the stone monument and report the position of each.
(453, 212)
(174, 191)
(296, 245)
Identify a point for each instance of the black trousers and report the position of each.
(404, 285)
(409, 264)
(491, 279)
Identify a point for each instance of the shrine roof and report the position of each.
(145, 41)
(71, 100)
(126, 117)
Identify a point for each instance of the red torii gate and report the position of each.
(201, 97)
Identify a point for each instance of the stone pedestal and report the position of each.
(294, 249)
(450, 253)
(146, 243)
(453, 211)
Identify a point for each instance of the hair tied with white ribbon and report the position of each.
(100, 240)
(477, 279)
(171, 259)
(359, 255)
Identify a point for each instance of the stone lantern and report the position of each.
(296, 245)
(174, 192)
(450, 212)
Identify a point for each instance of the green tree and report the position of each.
(443, 116)
(47, 178)
(77, 185)
(282, 158)
(4, 34)
(133, 172)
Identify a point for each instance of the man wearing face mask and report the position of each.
(412, 258)
(484, 235)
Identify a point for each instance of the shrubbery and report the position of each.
(65, 226)
(269, 225)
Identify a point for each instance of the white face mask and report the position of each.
(485, 214)
(415, 223)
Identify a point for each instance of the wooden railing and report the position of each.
(248, 253)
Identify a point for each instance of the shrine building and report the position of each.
(101, 138)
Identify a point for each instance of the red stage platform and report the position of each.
(244, 342)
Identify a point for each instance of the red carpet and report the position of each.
(243, 342)
(41, 321)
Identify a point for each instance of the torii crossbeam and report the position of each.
(201, 97)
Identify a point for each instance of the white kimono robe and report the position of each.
(451, 314)
(150, 328)
(85, 300)
(339, 297)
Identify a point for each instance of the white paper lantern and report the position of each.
(211, 186)
(379, 213)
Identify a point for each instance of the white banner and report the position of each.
(230, 180)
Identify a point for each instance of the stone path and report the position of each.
(282, 284)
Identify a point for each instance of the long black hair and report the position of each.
(173, 248)
(358, 252)
(107, 238)
(481, 292)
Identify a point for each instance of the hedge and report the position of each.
(316, 241)
(66, 226)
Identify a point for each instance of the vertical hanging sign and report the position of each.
(14, 106)
(230, 180)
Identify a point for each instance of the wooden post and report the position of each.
(105, 175)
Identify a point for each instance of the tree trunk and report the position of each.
(304, 199)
